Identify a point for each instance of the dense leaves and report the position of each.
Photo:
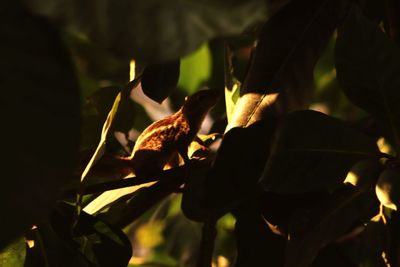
(211, 210)
(371, 80)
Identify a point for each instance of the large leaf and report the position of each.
(245, 151)
(40, 119)
(281, 73)
(153, 30)
(312, 230)
(368, 68)
(312, 152)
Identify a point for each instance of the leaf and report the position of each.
(281, 72)
(368, 69)
(128, 208)
(159, 80)
(40, 119)
(366, 248)
(245, 151)
(312, 230)
(14, 254)
(101, 146)
(195, 69)
(93, 238)
(232, 85)
(151, 30)
(256, 244)
(312, 152)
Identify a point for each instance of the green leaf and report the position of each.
(14, 254)
(368, 69)
(159, 80)
(195, 70)
(40, 119)
(312, 230)
(153, 30)
(312, 152)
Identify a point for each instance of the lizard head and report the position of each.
(198, 104)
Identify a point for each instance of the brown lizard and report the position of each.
(162, 140)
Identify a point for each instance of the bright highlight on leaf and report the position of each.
(132, 70)
(195, 69)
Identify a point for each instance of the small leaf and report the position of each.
(312, 152)
(368, 68)
(159, 80)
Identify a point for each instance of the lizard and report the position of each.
(161, 141)
(158, 143)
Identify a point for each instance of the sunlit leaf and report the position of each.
(101, 146)
(312, 152)
(14, 254)
(368, 68)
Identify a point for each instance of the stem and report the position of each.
(207, 243)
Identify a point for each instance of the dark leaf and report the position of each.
(332, 256)
(50, 250)
(312, 152)
(312, 230)
(40, 108)
(159, 80)
(192, 195)
(368, 68)
(365, 247)
(281, 73)
(101, 244)
(245, 151)
(256, 244)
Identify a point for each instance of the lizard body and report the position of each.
(160, 141)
